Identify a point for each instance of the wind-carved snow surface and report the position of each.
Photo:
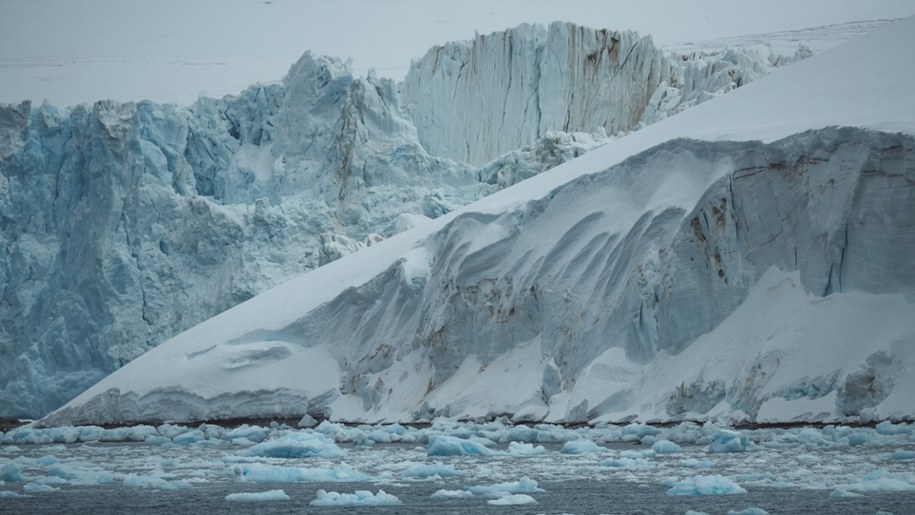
(651, 289)
(124, 224)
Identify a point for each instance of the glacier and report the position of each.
(123, 224)
(742, 261)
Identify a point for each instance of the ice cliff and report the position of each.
(747, 259)
(560, 78)
(125, 223)
(693, 279)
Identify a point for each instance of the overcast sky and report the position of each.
(71, 51)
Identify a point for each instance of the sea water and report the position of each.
(460, 468)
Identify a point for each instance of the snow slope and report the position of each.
(745, 258)
(128, 223)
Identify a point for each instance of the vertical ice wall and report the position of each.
(472, 101)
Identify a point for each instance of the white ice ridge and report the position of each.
(758, 270)
(123, 224)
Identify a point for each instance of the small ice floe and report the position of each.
(881, 480)
(37, 488)
(580, 447)
(359, 498)
(81, 475)
(269, 495)
(452, 494)
(726, 440)
(525, 449)
(264, 473)
(440, 445)
(706, 485)
(153, 483)
(749, 511)
(841, 492)
(513, 500)
(296, 445)
(431, 470)
(11, 472)
(627, 463)
(525, 485)
(666, 447)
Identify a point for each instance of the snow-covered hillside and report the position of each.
(748, 258)
(126, 223)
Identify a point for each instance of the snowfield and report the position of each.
(744, 260)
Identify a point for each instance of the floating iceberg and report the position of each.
(359, 498)
(296, 445)
(706, 485)
(580, 447)
(440, 445)
(452, 494)
(153, 482)
(430, 470)
(730, 441)
(525, 485)
(513, 500)
(269, 495)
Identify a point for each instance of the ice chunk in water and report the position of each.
(81, 476)
(296, 445)
(262, 473)
(513, 500)
(431, 470)
(269, 495)
(36, 488)
(440, 445)
(706, 485)
(153, 482)
(839, 492)
(11, 472)
(359, 498)
(730, 441)
(881, 480)
(452, 494)
(525, 485)
(189, 437)
(525, 449)
(580, 447)
(666, 447)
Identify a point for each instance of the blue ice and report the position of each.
(706, 485)
(440, 445)
(296, 445)
(437, 469)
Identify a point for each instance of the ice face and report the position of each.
(125, 224)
